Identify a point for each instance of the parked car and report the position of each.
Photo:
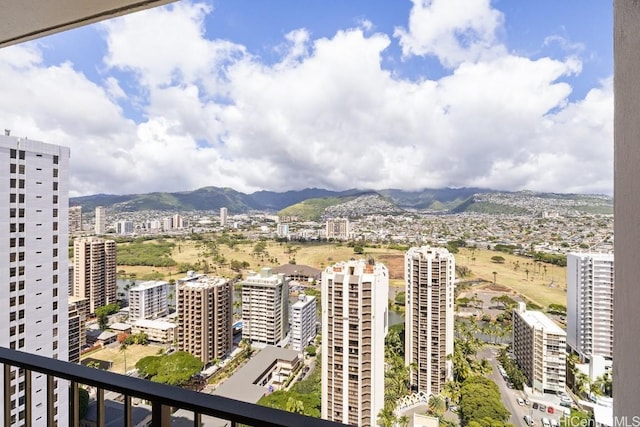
(542, 407)
(528, 420)
(545, 422)
(535, 405)
(520, 401)
(554, 422)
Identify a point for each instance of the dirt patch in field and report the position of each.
(395, 265)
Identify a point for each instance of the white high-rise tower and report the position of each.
(429, 284)
(34, 270)
(590, 284)
(101, 217)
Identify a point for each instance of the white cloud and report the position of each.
(454, 31)
(328, 114)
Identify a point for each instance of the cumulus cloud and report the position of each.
(326, 114)
(454, 31)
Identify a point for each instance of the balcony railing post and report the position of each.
(128, 412)
(27, 397)
(50, 401)
(160, 414)
(100, 410)
(74, 402)
(7, 394)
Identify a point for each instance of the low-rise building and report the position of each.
(159, 331)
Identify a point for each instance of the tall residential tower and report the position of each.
(34, 270)
(590, 284)
(354, 325)
(95, 271)
(429, 284)
(205, 326)
(101, 220)
(265, 307)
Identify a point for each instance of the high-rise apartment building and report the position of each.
(34, 269)
(124, 227)
(303, 322)
(77, 327)
(354, 325)
(337, 228)
(205, 323)
(590, 285)
(94, 269)
(429, 303)
(539, 347)
(265, 307)
(148, 300)
(101, 220)
(75, 219)
(223, 217)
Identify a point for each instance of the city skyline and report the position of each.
(251, 103)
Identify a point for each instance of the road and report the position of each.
(508, 395)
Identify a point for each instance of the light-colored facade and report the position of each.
(590, 286)
(148, 300)
(94, 269)
(101, 220)
(303, 322)
(223, 216)
(205, 318)
(429, 293)
(124, 227)
(354, 325)
(282, 230)
(34, 184)
(337, 229)
(157, 330)
(265, 307)
(77, 327)
(539, 347)
(75, 219)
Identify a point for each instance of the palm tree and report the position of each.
(295, 405)
(495, 273)
(437, 405)
(403, 421)
(451, 390)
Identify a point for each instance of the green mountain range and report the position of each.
(311, 203)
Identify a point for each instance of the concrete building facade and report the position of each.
(590, 287)
(265, 307)
(75, 219)
(148, 300)
(77, 327)
(94, 270)
(303, 322)
(539, 347)
(354, 326)
(34, 184)
(223, 217)
(101, 220)
(429, 293)
(205, 319)
(337, 228)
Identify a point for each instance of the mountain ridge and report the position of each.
(445, 200)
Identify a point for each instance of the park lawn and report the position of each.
(134, 353)
(541, 288)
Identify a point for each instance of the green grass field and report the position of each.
(133, 353)
(544, 284)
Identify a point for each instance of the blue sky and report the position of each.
(285, 95)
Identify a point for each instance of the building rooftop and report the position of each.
(303, 300)
(154, 324)
(147, 285)
(241, 386)
(205, 282)
(539, 320)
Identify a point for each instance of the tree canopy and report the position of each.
(480, 403)
(174, 369)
